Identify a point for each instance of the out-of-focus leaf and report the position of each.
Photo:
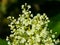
(3, 42)
(55, 24)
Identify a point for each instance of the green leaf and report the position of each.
(55, 24)
(3, 42)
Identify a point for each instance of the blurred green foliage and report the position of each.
(3, 42)
(55, 24)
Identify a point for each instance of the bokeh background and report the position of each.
(13, 8)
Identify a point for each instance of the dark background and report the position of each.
(13, 8)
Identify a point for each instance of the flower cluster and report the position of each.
(30, 30)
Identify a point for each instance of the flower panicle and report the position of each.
(30, 30)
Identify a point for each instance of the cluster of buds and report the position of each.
(30, 30)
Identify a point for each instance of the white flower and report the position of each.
(22, 7)
(33, 37)
(53, 36)
(37, 38)
(9, 43)
(26, 44)
(12, 17)
(23, 40)
(9, 17)
(31, 15)
(24, 11)
(18, 19)
(29, 11)
(50, 31)
(29, 6)
(29, 40)
(17, 22)
(11, 35)
(57, 41)
(30, 30)
(43, 33)
(25, 4)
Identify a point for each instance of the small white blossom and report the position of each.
(53, 36)
(17, 22)
(29, 11)
(31, 15)
(50, 31)
(9, 43)
(9, 17)
(11, 35)
(23, 40)
(22, 7)
(25, 4)
(29, 6)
